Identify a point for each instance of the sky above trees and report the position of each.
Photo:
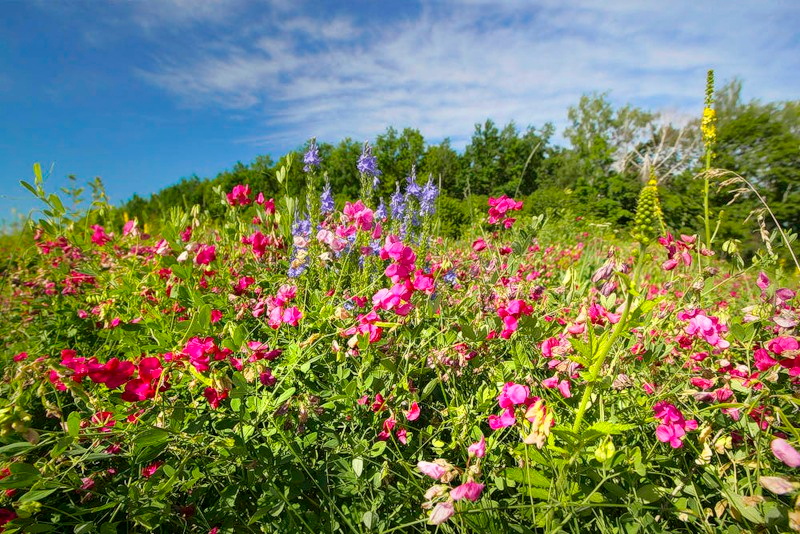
(144, 93)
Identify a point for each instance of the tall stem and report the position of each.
(707, 217)
(599, 358)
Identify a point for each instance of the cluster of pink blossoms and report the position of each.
(673, 426)
(678, 251)
(703, 327)
(389, 424)
(499, 207)
(443, 494)
(510, 314)
(535, 413)
(778, 346)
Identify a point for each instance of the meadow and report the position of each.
(302, 364)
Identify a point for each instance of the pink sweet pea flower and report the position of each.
(413, 413)
(469, 490)
(672, 434)
(292, 316)
(512, 395)
(441, 513)
(205, 254)
(435, 471)
(784, 452)
(506, 419)
(478, 449)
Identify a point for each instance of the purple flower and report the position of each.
(311, 158)
(427, 198)
(413, 189)
(326, 199)
(380, 213)
(301, 227)
(397, 204)
(367, 163)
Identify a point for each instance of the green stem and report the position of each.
(706, 216)
(599, 358)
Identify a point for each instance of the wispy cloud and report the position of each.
(329, 71)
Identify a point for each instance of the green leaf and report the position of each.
(527, 476)
(37, 173)
(377, 448)
(15, 449)
(358, 466)
(750, 513)
(74, 424)
(36, 495)
(648, 493)
(151, 438)
(29, 187)
(285, 395)
(22, 476)
(369, 518)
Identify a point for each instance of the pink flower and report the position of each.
(292, 316)
(478, 245)
(441, 513)
(360, 214)
(478, 449)
(506, 419)
(99, 237)
(413, 413)
(512, 395)
(672, 434)
(151, 469)
(214, 397)
(762, 281)
(240, 196)
(469, 490)
(551, 382)
(783, 343)
(435, 471)
(563, 388)
(784, 452)
(402, 436)
(205, 254)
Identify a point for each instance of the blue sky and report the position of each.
(142, 93)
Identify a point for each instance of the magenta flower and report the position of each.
(512, 395)
(292, 316)
(506, 419)
(469, 490)
(413, 413)
(205, 254)
(672, 434)
(478, 449)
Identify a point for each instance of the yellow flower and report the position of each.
(708, 125)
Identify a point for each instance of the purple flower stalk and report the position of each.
(367, 163)
(397, 204)
(413, 189)
(326, 200)
(427, 199)
(311, 158)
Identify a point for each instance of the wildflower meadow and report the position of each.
(310, 363)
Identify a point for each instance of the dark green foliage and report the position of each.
(758, 141)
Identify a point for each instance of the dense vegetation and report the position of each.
(601, 172)
(271, 357)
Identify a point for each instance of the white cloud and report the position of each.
(455, 64)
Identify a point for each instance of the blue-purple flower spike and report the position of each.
(367, 163)
(311, 158)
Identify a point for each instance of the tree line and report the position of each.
(611, 152)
